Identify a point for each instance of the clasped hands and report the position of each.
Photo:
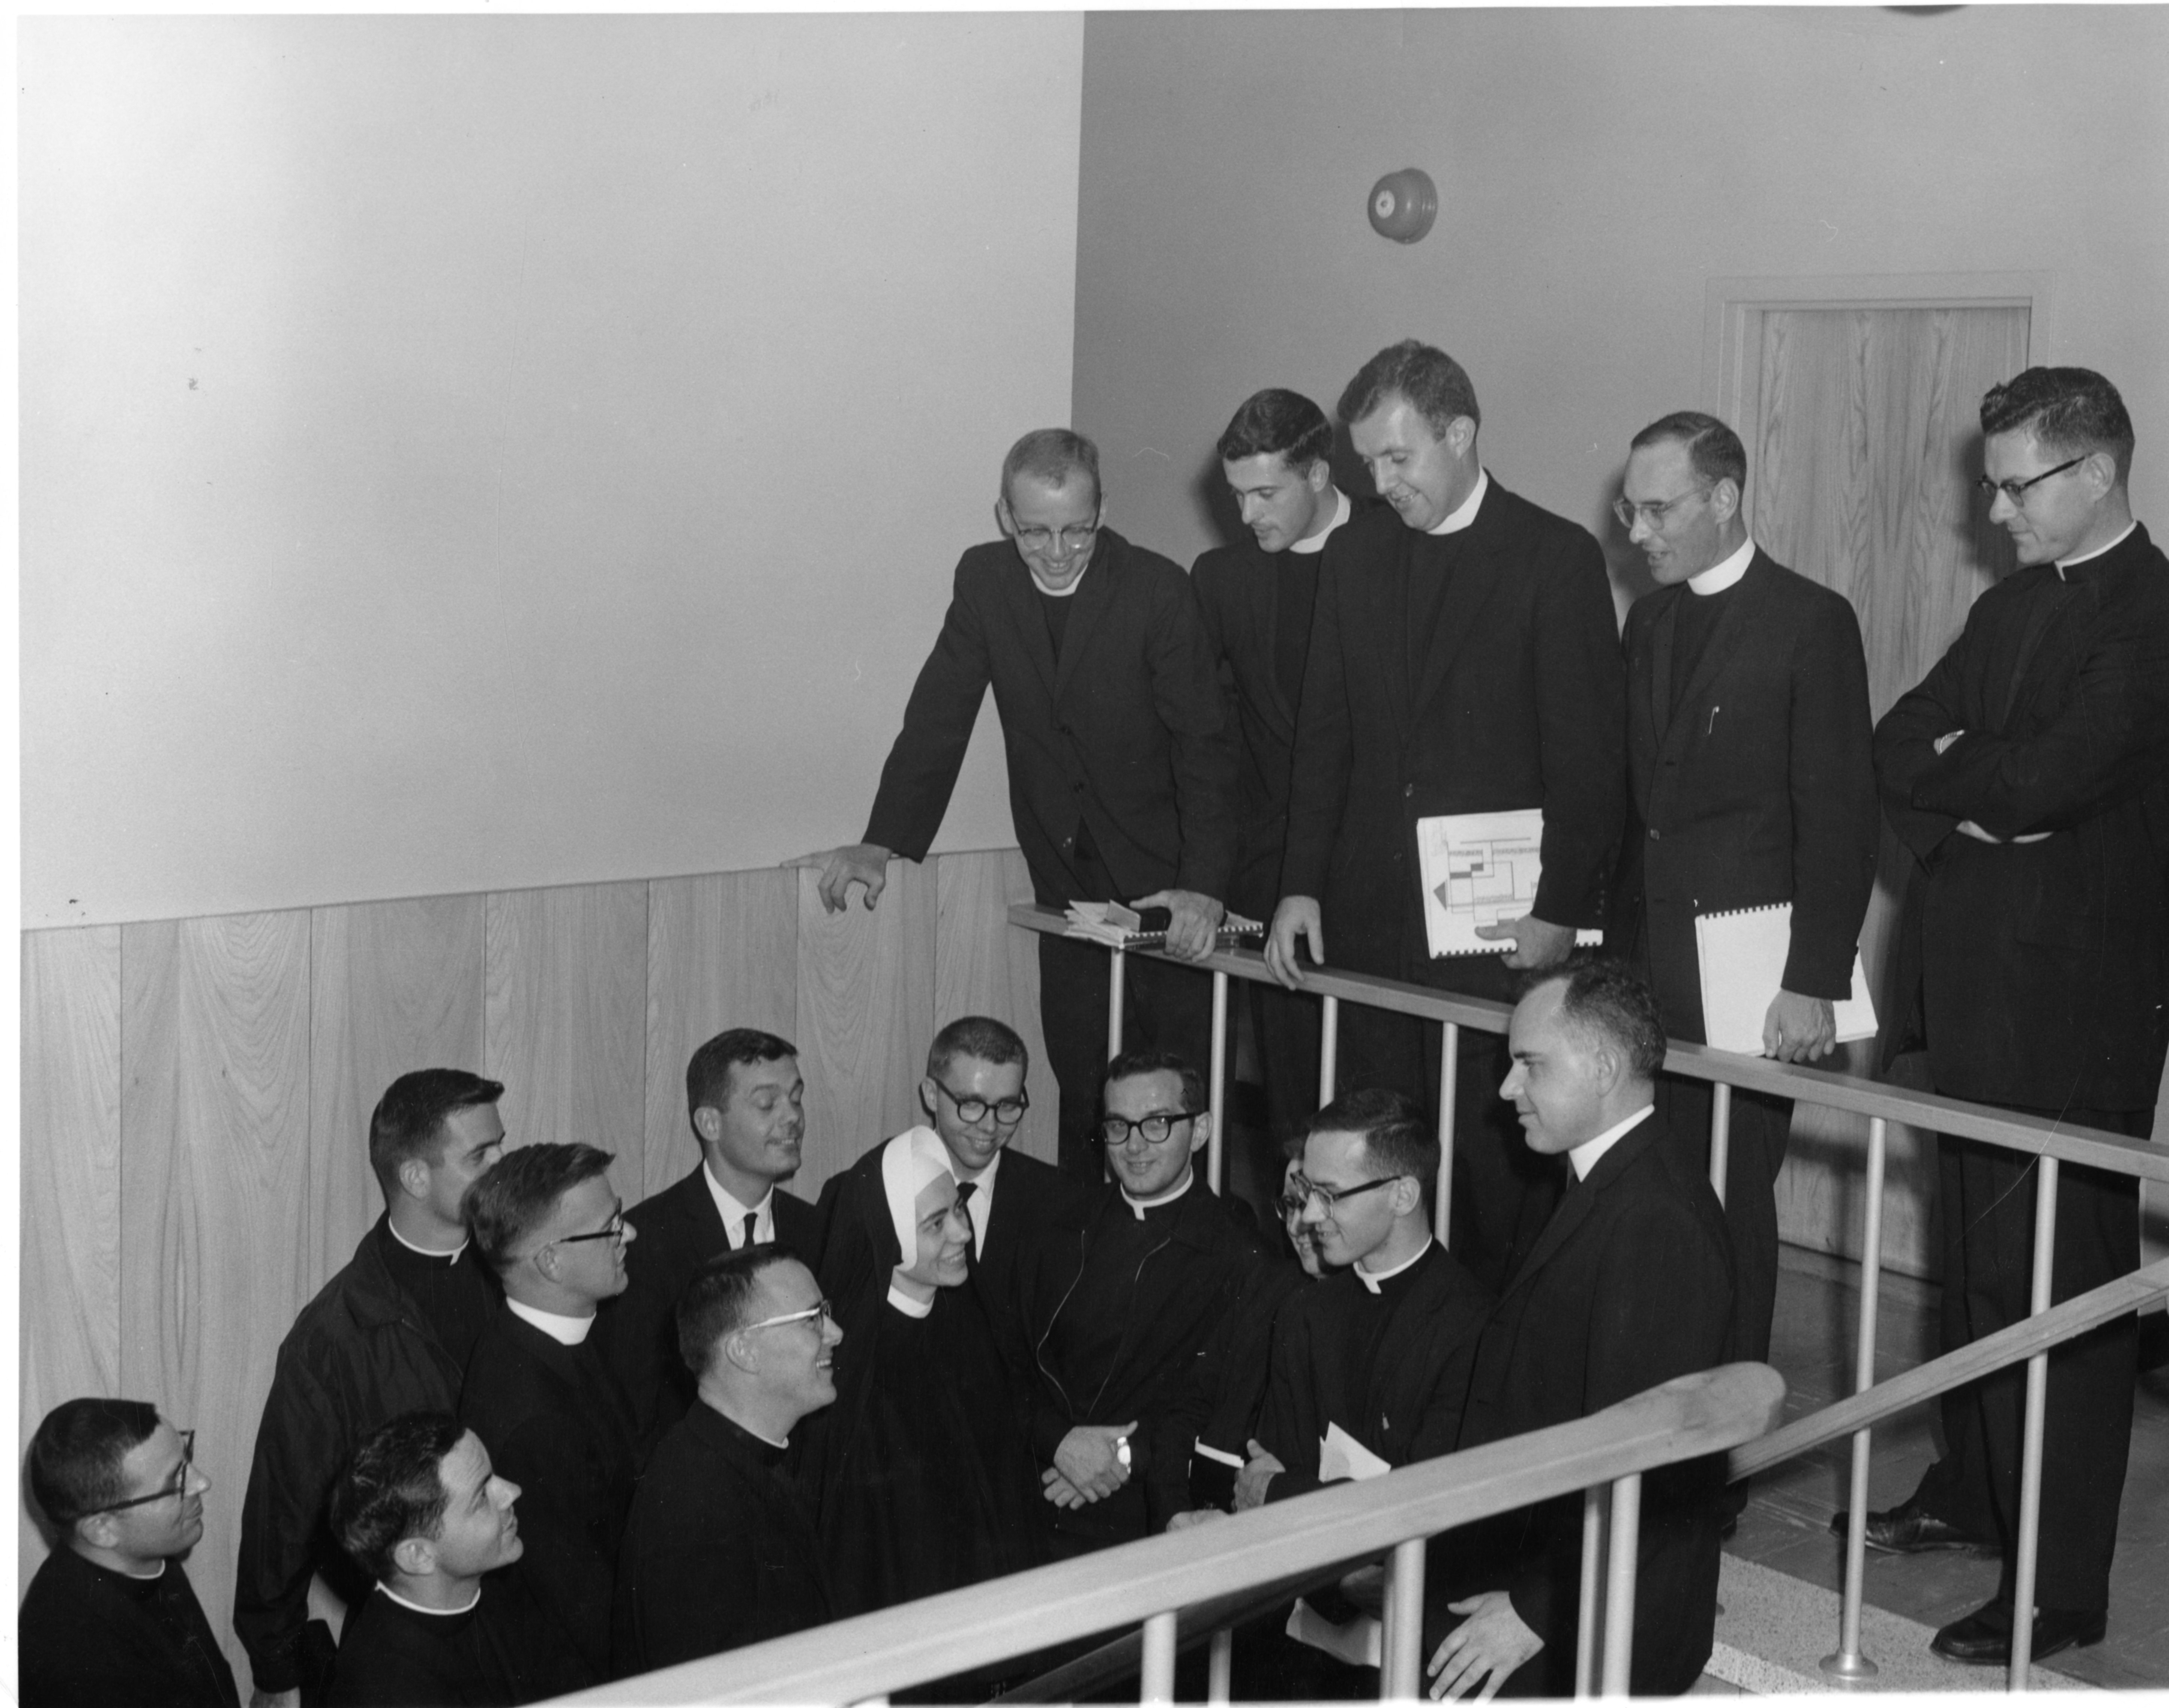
(1089, 1466)
(1532, 942)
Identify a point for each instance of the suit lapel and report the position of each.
(1581, 1196)
(1663, 630)
(1094, 594)
(1021, 597)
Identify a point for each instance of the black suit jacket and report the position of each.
(1759, 787)
(1629, 1285)
(675, 1232)
(1035, 1204)
(1126, 732)
(1518, 702)
(1236, 587)
(556, 1423)
(2043, 961)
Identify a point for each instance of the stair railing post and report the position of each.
(1848, 1662)
(2045, 1182)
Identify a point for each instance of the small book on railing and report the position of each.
(1130, 927)
(1743, 965)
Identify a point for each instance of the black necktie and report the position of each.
(965, 1188)
(752, 1217)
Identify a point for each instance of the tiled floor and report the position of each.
(1787, 1525)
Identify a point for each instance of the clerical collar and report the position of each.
(450, 1257)
(127, 1576)
(1720, 576)
(734, 1213)
(1062, 593)
(1139, 1206)
(782, 1446)
(2065, 563)
(1590, 1153)
(1372, 1282)
(1465, 513)
(1342, 509)
(434, 1612)
(566, 1331)
(904, 1302)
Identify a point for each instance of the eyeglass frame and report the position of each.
(1137, 1126)
(986, 1107)
(1330, 1199)
(2016, 490)
(613, 1230)
(825, 1310)
(1074, 539)
(1629, 512)
(180, 1489)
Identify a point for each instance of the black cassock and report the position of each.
(90, 1637)
(501, 1651)
(918, 1474)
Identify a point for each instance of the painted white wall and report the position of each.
(479, 452)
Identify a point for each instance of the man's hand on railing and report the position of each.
(1191, 1519)
(1483, 1649)
(854, 862)
(1251, 1480)
(1193, 924)
(1089, 1463)
(1537, 942)
(1296, 916)
(1798, 1029)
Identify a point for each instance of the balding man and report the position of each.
(1122, 757)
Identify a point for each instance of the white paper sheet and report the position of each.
(1480, 868)
(1742, 955)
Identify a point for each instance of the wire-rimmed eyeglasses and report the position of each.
(2016, 490)
(824, 1311)
(179, 1486)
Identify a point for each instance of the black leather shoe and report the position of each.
(1908, 1529)
(1983, 1637)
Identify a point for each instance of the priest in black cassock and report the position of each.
(110, 1617)
(548, 1408)
(422, 1510)
(1119, 1312)
(720, 1549)
(918, 1474)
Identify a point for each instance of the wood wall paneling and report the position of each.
(722, 951)
(565, 1016)
(214, 1188)
(981, 966)
(395, 986)
(866, 1015)
(71, 1181)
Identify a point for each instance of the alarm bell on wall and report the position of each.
(1403, 205)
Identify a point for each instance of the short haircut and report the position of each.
(708, 1074)
(976, 1035)
(75, 1457)
(410, 1117)
(1713, 449)
(1052, 454)
(1277, 422)
(393, 1487)
(1397, 1139)
(1431, 381)
(519, 1191)
(2069, 411)
(721, 1299)
(1132, 1063)
(1607, 999)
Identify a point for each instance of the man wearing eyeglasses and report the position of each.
(1119, 1310)
(2029, 776)
(547, 1219)
(110, 1616)
(1122, 757)
(720, 1549)
(1750, 760)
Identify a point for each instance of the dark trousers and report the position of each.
(1986, 1201)
(1760, 1126)
(1285, 1023)
(1165, 1007)
(1503, 1192)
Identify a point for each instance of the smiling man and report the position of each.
(1122, 759)
(1749, 752)
(1464, 657)
(1257, 597)
(1629, 1286)
(424, 1512)
(2029, 776)
(389, 1333)
(110, 1616)
(746, 1099)
(547, 1219)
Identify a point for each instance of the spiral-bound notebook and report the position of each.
(1743, 963)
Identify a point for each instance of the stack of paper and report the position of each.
(1122, 927)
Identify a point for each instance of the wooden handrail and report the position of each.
(1978, 1357)
(2030, 1133)
(878, 1652)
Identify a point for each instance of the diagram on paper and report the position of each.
(1480, 869)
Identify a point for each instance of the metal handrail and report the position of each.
(1144, 1582)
